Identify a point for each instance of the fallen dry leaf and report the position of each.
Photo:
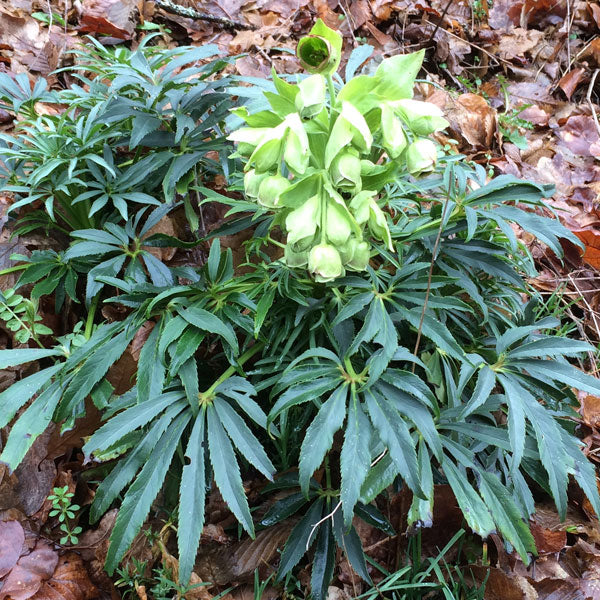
(580, 136)
(31, 570)
(70, 581)
(518, 42)
(474, 120)
(590, 410)
(108, 17)
(12, 537)
(569, 82)
(548, 541)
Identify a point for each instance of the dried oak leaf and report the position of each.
(31, 570)
(12, 537)
(70, 581)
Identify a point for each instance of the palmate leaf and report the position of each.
(127, 467)
(18, 394)
(351, 545)
(323, 562)
(319, 435)
(395, 435)
(244, 440)
(143, 491)
(31, 424)
(355, 458)
(472, 506)
(192, 500)
(226, 471)
(506, 514)
(206, 321)
(301, 538)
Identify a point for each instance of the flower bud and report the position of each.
(293, 258)
(296, 150)
(345, 172)
(361, 253)
(321, 50)
(394, 138)
(378, 224)
(422, 117)
(266, 155)
(302, 223)
(338, 226)
(359, 206)
(270, 188)
(311, 96)
(252, 181)
(324, 263)
(421, 156)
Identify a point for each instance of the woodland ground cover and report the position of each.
(294, 279)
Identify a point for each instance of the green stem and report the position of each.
(233, 368)
(14, 269)
(275, 242)
(89, 323)
(331, 88)
(327, 473)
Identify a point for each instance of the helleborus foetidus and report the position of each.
(321, 159)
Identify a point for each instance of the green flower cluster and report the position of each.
(322, 166)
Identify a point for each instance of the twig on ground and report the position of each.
(589, 99)
(191, 13)
(440, 22)
(350, 23)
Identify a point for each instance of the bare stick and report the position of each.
(589, 99)
(191, 13)
(440, 21)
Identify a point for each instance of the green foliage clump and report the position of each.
(416, 354)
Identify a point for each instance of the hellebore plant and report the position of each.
(321, 166)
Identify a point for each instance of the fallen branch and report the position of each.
(191, 13)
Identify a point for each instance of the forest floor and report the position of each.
(519, 82)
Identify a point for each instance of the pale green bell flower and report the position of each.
(324, 263)
(301, 224)
(422, 117)
(349, 128)
(393, 136)
(421, 156)
(338, 224)
(361, 254)
(270, 188)
(296, 151)
(345, 171)
(252, 181)
(294, 258)
(311, 96)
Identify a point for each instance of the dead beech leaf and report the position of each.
(12, 537)
(590, 410)
(518, 42)
(595, 12)
(591, 240)
(548, 541)
(503, 586)
(108, 17)
(569, 82)
(31, 570)
(580, 136)
(474, 120)
(70, 581)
